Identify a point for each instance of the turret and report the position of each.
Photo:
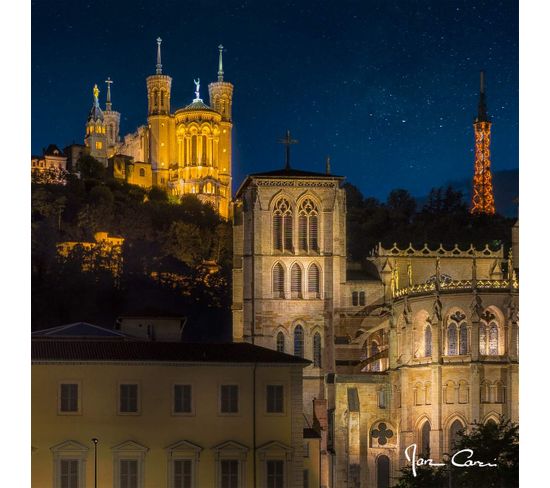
(112, 121)
(158, 88)
(96, 137)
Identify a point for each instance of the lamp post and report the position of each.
(95, 441)
(447, 458)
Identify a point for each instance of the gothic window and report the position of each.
(493, 339)
(374, 350)
(482, 339)
(282, 226)
(451, 340)
(455, 428)
(417, 394)
(308, 217)
(382, 471)
(299, 341)
(428, 393)
(296, 281)
(280, 342)
(313, 281)
(499, 392)
(484, 392)
(425, 440)
(463, 339)
(463, 392)
(278, 281)
(428, 341)
(317, 350)
(141, 172)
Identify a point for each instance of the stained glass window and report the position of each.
(482, 339)
(282, 226)
(427, 341)
(280, 342)
(451, 340)
(493, 339)
(463, 340)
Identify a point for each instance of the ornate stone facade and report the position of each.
(410, 347)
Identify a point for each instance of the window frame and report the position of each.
(230, 414)
(192, 400)
(138, 398)
(78, 410)
(282, 412)
(184, 451)
(70, 451)
(129, 451)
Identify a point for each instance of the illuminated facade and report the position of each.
(185, 151)
(483, 201)
(410, 347)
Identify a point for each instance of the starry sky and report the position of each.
(388, 89)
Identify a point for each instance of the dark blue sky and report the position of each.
(387, 88)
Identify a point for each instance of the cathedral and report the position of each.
(185, 151)
(410, 348)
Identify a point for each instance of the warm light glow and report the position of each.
(482, 197)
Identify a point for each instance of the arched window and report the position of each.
(308, 217)
(382, 471)
(280, 342)
(493, 339)
(278, 281)
(162, 98)
(282, 226)
(451, 340)
(374, 350)
(492, 423)
(455, 428)
(428, 341)
(482, 339)
(425, 440)
(500, 392)
(141, 172)
(317, 350)
(299, 341)
(296, 281)
(313, 281)
(463, 339)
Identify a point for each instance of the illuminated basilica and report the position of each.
(186, 151)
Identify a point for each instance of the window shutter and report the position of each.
(313, 233)
(278, 281)
(296, 281)
(302, 232)
(313, 280)
(277, 232)
(287, 225)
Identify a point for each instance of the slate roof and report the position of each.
(79, 330)
(90, 350)
(198, 105)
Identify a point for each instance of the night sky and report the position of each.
(388, 89)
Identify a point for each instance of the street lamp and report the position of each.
(95, 441)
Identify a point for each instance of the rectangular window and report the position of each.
(306, 478)
(182, 399)
(275, 474)
(128, 402)
(68, 397)
(229, 402)
(98, 145)
(355, 299)
(128, 473)
(275, 399)
(68, 473)
(362, 298)
(230, 473)
(183, 473)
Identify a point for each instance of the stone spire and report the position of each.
(220, 64)
(108, 104)
(159, 62)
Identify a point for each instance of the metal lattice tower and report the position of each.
(483, 201)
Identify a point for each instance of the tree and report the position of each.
(90, 168)
(495, 443)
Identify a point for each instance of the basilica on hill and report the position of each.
(183, 151)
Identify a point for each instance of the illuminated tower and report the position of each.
(221, 100)
(96, 138)
(483, 201)
(112, 121)
(161, 127)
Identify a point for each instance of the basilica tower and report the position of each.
(161, 127)
(483, 201)
(112, 121)
(221, 100)
(96, 138)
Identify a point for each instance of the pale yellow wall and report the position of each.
(155, 427)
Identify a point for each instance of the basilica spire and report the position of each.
(220, 64)
(108, 104)
(159, 62)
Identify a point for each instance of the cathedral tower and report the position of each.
(221, 100)
(96, 138)
(112, 121)
(482, 195)
(161, 127)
